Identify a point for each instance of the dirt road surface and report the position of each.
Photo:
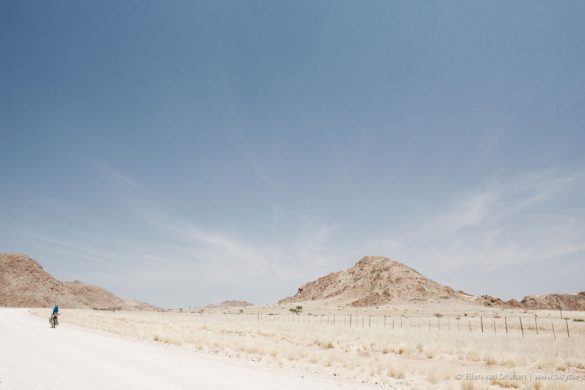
(34, 356)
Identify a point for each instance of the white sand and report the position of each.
(34, 356)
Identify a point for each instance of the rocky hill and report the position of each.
(230, 303)
(555, 301)
(24, 283)
(374, 280)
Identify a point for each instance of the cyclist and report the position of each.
(55, 314)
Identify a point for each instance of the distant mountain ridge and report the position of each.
(24, 283)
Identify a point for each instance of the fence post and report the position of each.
(384, 320)
(494, 326)
(481, 320)
(469, 326)
(567, 324)
(553, 330)
(521, 327)
(506, 323)
(350, 320)
(536, 324)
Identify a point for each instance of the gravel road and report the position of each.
(34, 356)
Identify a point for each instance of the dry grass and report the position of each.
(413, 353)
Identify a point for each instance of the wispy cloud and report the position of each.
(70, 248)
(222, 254)
(492, 142)
(116, 174)
(502, 224)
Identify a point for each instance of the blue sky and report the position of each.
(188, 152)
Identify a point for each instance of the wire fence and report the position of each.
(514, 325)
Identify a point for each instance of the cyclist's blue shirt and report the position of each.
(56, 310)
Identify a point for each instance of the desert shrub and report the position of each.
(296, 309)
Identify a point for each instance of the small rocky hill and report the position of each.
(24, 283)
(555, 301)
(374, 280)
(230, 303)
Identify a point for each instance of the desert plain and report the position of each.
(409, 346)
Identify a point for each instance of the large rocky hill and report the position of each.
(374, 280)
(24, 283)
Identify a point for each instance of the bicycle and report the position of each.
(54, 320)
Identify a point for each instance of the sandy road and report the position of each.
(34, 356)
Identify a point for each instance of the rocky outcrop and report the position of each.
(555, 301)
(24, 283)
